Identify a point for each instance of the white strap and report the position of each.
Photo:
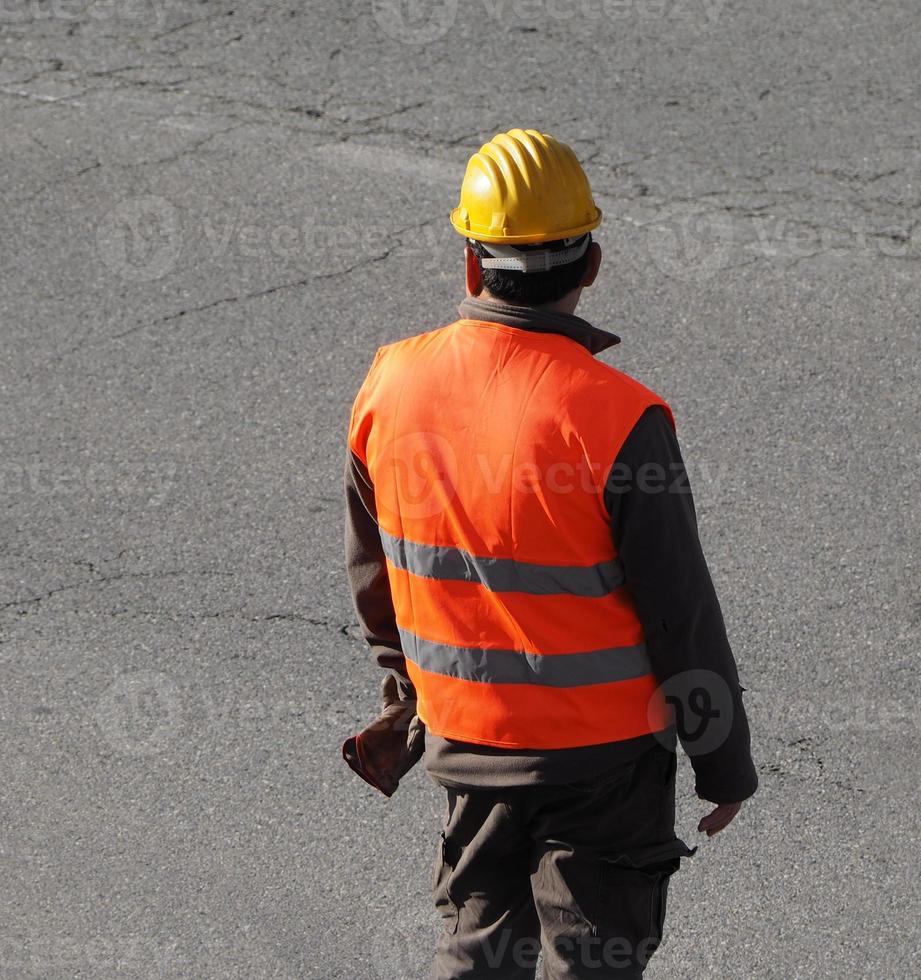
(510, 258)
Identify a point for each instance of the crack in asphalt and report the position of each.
(92, 567)
(805, 745)
(269, 290)
(239, 615)
(103, 580)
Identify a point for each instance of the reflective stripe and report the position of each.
(518, 667)
(502, 574)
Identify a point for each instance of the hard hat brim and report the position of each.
(480, 234)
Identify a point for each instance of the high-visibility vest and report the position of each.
(489, 448)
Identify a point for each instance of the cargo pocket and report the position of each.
(445, 862)
(651, 942)
(634, 894)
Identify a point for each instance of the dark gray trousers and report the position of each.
(580, 869)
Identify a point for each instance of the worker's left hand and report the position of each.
(721, 817)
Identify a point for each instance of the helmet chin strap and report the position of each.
(512, 259)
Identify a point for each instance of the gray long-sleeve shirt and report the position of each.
(654, 527)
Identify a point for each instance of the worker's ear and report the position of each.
(474, 273)
(594, 264)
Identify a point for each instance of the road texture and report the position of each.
(212, 214)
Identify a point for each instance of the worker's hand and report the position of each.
(721, 817)
(384, 751)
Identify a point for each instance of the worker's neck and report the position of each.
(566, 304)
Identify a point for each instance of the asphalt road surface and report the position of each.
(212, 214)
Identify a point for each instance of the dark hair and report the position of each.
(533, 288)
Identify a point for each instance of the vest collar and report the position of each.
(593, 338)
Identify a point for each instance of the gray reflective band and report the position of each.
(502, 574)
(517, 667)
(535, 260)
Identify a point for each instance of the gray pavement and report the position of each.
(211, 216)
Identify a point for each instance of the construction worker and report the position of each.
(524, 559)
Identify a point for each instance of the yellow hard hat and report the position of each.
(524, 186)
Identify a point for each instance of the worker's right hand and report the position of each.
(720, 818)
(384, 751)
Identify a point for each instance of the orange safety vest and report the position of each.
(489, 447)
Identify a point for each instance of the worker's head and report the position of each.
(526, 210)
(534, 286)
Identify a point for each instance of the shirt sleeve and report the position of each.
(654, 526)
(367, 572)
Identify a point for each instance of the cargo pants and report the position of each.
(580, 869)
